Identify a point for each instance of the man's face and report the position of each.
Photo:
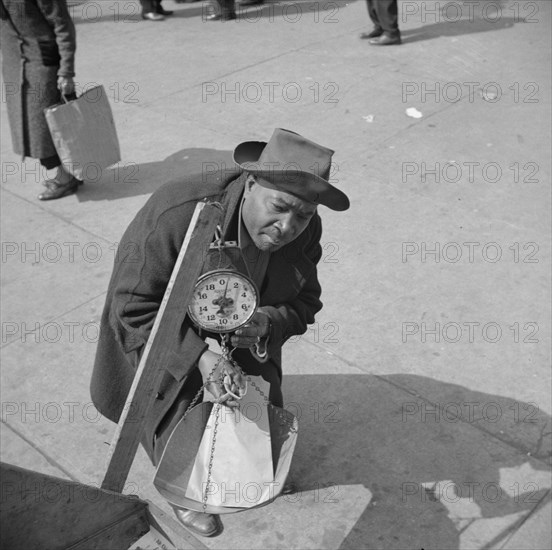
(274, 218)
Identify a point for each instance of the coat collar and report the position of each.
(230, 201)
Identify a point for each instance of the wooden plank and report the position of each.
(165, 331)
(39, 510)
(118, 535)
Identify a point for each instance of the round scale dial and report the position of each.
(223, 301)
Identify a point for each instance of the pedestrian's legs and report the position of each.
(50, 162)
(373, 13)
(222, 10)
(62, 176)
(387, 15)
(148, 6)
(152, 10)
(385, 12)
(160, 9)
(62, 184)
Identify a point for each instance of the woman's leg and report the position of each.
(61, 176)
(62, 184)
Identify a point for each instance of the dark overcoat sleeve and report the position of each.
(38, 46)
(57, 15)
(147, 254)
(292, 305)
(144, 262)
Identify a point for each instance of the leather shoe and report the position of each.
(374, 33)
(56, 190)
(163, 11)
(205, 525)
(54, 182)
(150, 16)
(386, 39)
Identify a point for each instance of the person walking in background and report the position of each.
(38, 52)
(153, 11)
(384, 16)
(225, 10)
(221, 10)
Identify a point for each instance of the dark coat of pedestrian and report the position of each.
(38, 45)
(38, 51)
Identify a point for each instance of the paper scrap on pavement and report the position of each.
(414, 113)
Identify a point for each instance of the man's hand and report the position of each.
(251, 333)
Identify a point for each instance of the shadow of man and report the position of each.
(436, 471)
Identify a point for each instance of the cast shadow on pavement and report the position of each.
(129, 179)
(414, 475)
(294, 11)
(455, 28)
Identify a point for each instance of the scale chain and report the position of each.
(227, 356)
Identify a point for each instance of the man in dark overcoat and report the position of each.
(270, 209)
(38, 54)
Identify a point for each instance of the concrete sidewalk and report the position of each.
(423, 388)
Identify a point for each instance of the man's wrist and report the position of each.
(267, 332)
(260, 349)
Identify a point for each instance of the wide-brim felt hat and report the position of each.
(290, 163)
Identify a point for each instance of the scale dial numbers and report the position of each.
(223, 301)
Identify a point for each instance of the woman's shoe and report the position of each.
(56, 190)
(54, 182)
